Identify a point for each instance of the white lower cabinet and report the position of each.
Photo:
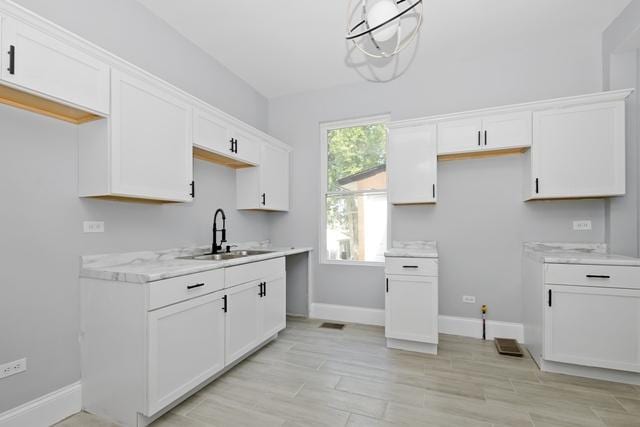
(146, 346)
(186, 347)
(411, 304)
(242, 320)
(593, 326)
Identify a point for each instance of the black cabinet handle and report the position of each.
(549, 297)
(264, 289)
(537, 185)
(224, 306)
(235, 146)
(193, 189)
(12, 59)
(232, 143)
(387, 285)
(409, 266)
(485, 137)
(479, 138)
(199, 285)
(264, 199)
(598, 276)
(434, 191)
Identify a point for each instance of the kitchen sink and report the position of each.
(226, 255)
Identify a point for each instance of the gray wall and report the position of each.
(479, 221)
(41, 216)
(620, 64)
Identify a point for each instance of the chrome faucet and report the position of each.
(215, 247)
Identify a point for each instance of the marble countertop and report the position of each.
(576, 253)
(413, 249)
(151, 266)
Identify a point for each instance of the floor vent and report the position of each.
(329, 325)
(508, 346)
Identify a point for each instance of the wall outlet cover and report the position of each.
(469, 299)
(13, 368)
(582, 225)
(93, 226)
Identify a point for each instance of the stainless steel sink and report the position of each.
(226, 255)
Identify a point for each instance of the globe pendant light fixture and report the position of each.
(383, 28)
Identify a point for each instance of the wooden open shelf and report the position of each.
(201, 154)
(46, 107)
(481, 154)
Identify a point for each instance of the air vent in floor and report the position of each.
(329, 325)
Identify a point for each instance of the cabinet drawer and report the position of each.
(612, 276)
(412, 266)
(171, 291)
(253, 271)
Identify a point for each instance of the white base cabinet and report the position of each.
(148, 346)
(583, 319)
(412, 164)
(411, 304)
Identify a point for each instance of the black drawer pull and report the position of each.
(409, 266)
(549, 302)
(224, 301)
(598, 276)
(12, 60)
(199, 285)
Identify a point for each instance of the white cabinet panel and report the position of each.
(411, 308)
(46, 65)
(186, 347)
(247, 147)
(151, 145)
(211, 133)
(504, 131)
(593, 326)
(578, 152)
(265, 187)
(412, 164)
(242, 321)
(274, 307)
(459, 136)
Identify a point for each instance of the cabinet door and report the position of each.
(46, 65)
(186, 347)
(212, 133)
(274, 307)
(151, 151)
(411, 308)
(242, 321)
(506, 131)
(592, 326)
(459, 136)
(247, 147)
(412, 165)
(274, 178)
(579, 151)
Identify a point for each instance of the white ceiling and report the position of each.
(288, 46)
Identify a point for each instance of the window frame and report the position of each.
(324, 130)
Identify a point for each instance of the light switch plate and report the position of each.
(93, 226)
(582, 225)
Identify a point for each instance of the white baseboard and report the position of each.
(463, 326)
(45, 410)
(347, 313)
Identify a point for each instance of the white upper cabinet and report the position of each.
(146, 152)
(46, 65)
(459, 136)
(505, 131)
(265, 187)
(412, 164)
(578, 152)
(485, 133)
(215, 137)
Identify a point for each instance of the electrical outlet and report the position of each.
(583, 225)
(93, 226)
(13, 368)
(469, 299)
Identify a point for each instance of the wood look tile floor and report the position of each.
(323, 377)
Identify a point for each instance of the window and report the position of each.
(354, 191)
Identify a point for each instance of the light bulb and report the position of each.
(381, 12)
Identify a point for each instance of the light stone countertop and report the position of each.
(413, 249)
(576, 253)
(151, 266)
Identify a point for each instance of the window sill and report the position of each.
(353, 263)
